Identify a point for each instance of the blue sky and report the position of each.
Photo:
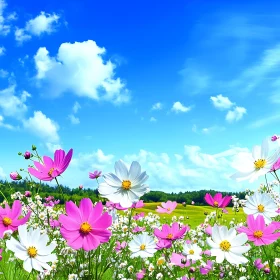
(184, 87)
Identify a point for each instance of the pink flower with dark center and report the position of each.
(167, 207)
(15, 176)
(120, 246)
(85, 227)
(163, 244)
(258, 264)
(111, 205)
(171, 233)
(218, 200)
(51, 168)
(258, 232)
(179, 260)
(9, 217)
(96, 174)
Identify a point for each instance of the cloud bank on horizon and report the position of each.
(186, 94)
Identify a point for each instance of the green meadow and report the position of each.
(193, 215)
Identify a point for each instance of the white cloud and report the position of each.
(80, 68)
(2, 173)
(5, 19)
(2, 50)
(43, 127)
(12, 105)
(236, 114)
(157, 106)
(179, 107)
(43, 23)
(76, 107)
(152, 119)
(8, 126)
(53, 147)
(73, 119)
(265, 121)
(3, 73)
(211, 129)
(221, 102)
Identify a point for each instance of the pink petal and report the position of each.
(85, 208)
(73, 211)
(59, 158)
(90, 242)
(102, 222)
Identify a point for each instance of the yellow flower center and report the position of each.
(225, 245)
(85, 228)
(258, 233)
(32, 252)
(126, 185)
(169, 236)
(191, 252)
(216, 203)
(7, 221)
(260, 208)
(168, 209)
(142, 247)
(260, 163)
(51, 171)
(161, 261)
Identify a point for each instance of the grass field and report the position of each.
(193, 215)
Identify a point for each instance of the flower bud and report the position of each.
(34, 148)
(15, 176)
(27, 194)
(27, 155)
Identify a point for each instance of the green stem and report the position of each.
(4, 196)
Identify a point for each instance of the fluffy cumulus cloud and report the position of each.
(178, 107)
(5, 125)
(43, 23)
(236, 114)
(221, 102)
(157, 106)
(12, 104)
(2, 50)
(80, 68)
(76, 107)
(73, 119)
(43, 127)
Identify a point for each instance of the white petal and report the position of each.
(22, 231)
(134, 170)
(27, 265)
(239, 240)
(36, 265)
(121, 170)
(264, 148)
(112, 180)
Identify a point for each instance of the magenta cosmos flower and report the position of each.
(9, 218)
(218, 200)
(167, 207)
(85, 227)
(258, 232)
(171, 233)
(96, 174)
(51, 168)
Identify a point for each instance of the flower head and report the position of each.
(258, 232)
(27, 194)
(96, 174)
(142, 245)
(261, 204)
(167, 207)
(225, 244)
(258, 264)
(218, 200)
(85, 227)
(9, 217)
(171, 233)
(274, 138)
(260, 163)
(126, 187)
(32, 249)
(192, 251)
(51, 168)
(179, 260)
(15, 176)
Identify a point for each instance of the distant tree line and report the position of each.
(65, 193)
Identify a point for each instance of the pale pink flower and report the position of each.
(167, 207)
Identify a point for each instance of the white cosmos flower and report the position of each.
(126, 186)
(192, 251)
(225, 244)
(142, 245)
(261, 204)
(32, 249)
(260, 163)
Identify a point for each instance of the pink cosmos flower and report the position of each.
(120, 246)
(51, 169)
(54, 223)
(15, 176)
(171, 233)
(206, 268)
(274, 138)
(141, 274)
(138, 216)
(138, 204)
(138, 229)
(258, 232)
(27, 194)
(85, 227)
(111, 205)
(258, 264)
(163, 244)
(9, 218)
(96, 174)
(217, 200)
(275, 166)
(167, 207)
(208, 230)
(179, 260)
